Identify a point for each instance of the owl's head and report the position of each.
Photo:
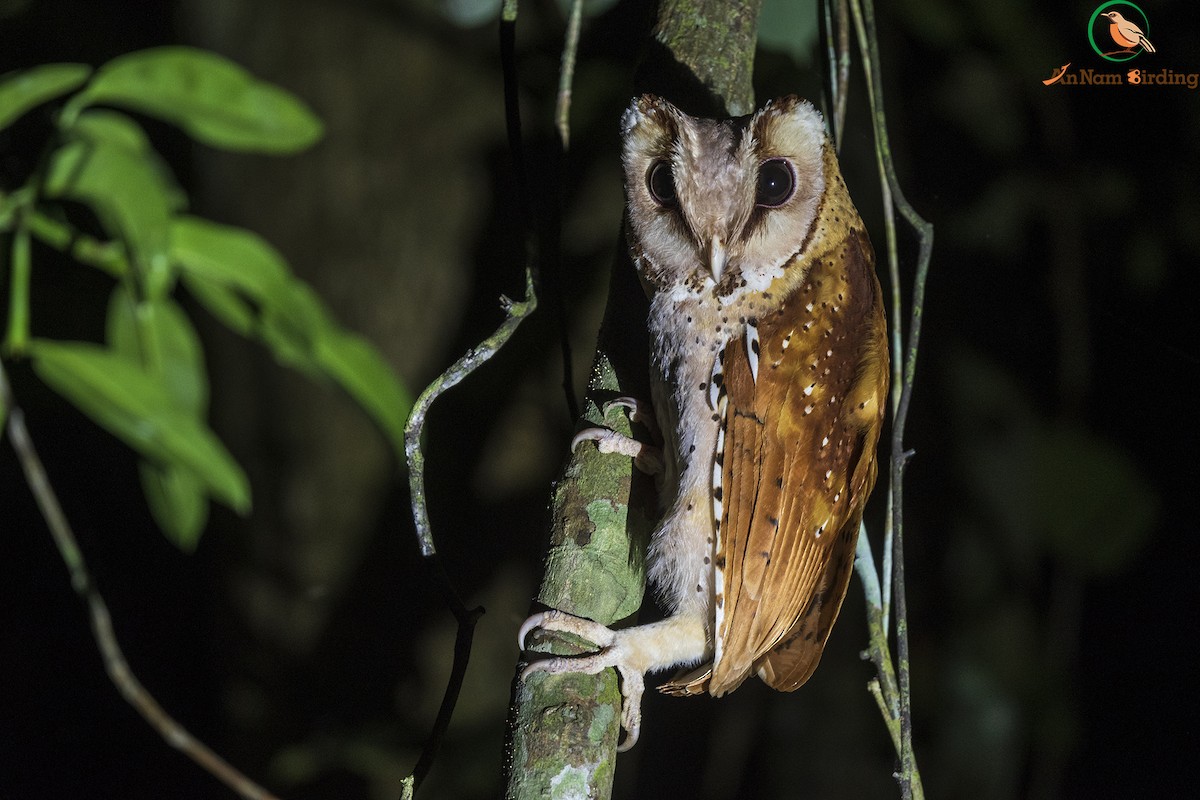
(721, 204)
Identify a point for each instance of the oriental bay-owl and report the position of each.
(769, 374)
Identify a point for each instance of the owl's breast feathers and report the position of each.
(797, 462)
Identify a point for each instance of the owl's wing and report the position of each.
(803, 408)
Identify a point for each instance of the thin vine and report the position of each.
(515, 312)
(892, 688)
(115, 663)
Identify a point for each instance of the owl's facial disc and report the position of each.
(721, 206)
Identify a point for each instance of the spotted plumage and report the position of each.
(769, 372)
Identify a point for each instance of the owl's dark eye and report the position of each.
(661, 182)
(776, 183)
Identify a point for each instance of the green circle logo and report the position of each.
(1121, 32)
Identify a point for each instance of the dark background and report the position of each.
(1051, 502)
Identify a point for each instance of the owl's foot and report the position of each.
(610, 654)
(646, 457)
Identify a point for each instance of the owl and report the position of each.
(769, 373)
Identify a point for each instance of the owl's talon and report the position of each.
(640, 412)
(562, 622)
(608, 655)
(534, 622)
(646, 458)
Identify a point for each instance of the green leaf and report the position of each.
(131, 404)
(246, 283)
(228, 256)
(359, 368)
(211, 98)
(158, 335)
(224, 304)
(302, 334)
(128, 194)
(23, 91)
(293, 323)
(100, 126)
(105, 125)
(222, 263)
(178, 502)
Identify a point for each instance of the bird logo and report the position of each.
(1126, 34)
(1118, 35)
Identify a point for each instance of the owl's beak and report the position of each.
(716, 258)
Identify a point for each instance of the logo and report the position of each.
(1117, 31)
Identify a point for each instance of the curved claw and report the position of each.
(554, 620)
(639, 411)
(591, 435)
(527, 627)
(632, 688)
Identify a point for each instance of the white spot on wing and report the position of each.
(821, 528)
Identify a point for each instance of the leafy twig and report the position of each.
(118, 669)
(106, 256)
